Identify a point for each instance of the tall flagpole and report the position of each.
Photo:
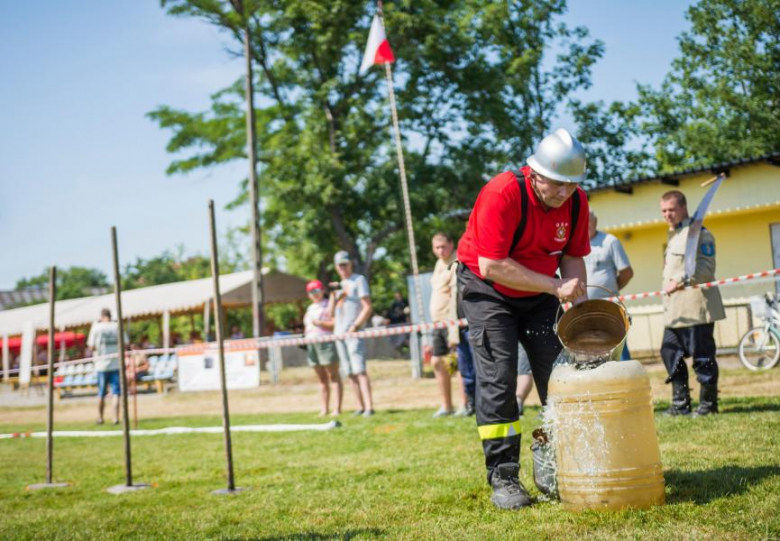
(258, 292)
(416, 367)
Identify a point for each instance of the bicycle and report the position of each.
(759, 348)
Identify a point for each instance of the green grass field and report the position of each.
(399, 475)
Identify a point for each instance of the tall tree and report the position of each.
(170, 266)
(616, 147)
(475, 93)
(721, 100)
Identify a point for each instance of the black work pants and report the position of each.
(697, 341)
(496, 324)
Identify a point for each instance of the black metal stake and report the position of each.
(128, 486)
(50, 373)
(50, 398)
(218, 324)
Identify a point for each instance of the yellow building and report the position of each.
(744, 216)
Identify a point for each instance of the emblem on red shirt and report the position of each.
(560, 231)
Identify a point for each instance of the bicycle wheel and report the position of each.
(759, 349)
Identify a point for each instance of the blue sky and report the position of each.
(78, 155)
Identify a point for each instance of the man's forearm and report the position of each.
(510, 273)
(624, 276)
(363, 316)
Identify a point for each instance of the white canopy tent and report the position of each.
(162, 300)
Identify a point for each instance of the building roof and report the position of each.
(22, 296)
(672, 177)
(178, 297)
(32, 295)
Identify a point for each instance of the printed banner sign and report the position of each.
(200, 371)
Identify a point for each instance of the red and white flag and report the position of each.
(378, 50)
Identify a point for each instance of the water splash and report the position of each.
(582, 360)
(543, 453)
(558, 418)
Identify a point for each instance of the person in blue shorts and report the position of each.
(104, 342)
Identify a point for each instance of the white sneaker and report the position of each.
(442, 412)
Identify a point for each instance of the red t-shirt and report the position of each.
(495, 218)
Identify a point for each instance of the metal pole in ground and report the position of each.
(134, 386)
(50, 374)
(128, 486)
(50, 397)
(218, 325)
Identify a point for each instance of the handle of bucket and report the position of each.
(612, 293)
(616, 297)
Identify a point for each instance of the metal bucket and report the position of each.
(594, 329)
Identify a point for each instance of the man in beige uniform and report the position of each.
(443, 307)
(689, 314)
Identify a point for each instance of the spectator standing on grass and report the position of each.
(444, 307)
(607, 265)
(318, 321)
(398, 314)
(525, 226)
(353, 310)
(104, 341)
(689, 314)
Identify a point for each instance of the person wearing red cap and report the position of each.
(322, 357)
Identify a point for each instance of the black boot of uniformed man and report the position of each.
(708, 400)
(508, 492)
(681, 399)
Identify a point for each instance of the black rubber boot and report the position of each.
(470, 410)
(508, 492)
(681, 400)
(708, 400)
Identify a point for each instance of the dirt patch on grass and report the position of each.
(392, 386)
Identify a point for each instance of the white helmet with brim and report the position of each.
(560, 157)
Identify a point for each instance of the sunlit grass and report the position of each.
(397, 475)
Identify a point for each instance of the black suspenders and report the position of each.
(575, 213)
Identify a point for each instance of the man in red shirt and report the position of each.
(523, 229)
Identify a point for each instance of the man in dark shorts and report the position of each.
(524, 227)
(444, 307)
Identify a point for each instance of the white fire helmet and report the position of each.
(559, 157)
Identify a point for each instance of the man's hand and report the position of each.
(570, 289)
(673, 286)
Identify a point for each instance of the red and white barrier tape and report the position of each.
(375, 332)
(714, 283)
